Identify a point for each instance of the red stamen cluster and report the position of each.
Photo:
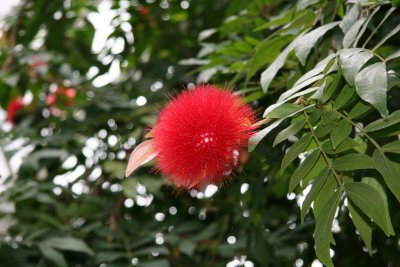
(13, 107)
(201, 136)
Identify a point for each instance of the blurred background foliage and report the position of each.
(92, 76)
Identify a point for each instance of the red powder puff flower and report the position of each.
(13, 107)
(200, 137)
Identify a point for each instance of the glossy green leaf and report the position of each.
(284, 111)
(370, 202)
(389, 171)
(289, 131)
(351, 61)
(351, 35)
(306, 42)
(339, 133)
(304, 168)
(383, 123)
(319, 181)
(323, 226)
(295, 150)
(354, 161)
(371, 86)
(350, 18)
(393, 147)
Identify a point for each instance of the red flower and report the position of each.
(13, 107)
(144, 11)
(62, 96)
(201, 136)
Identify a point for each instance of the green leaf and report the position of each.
(389, 171)
(322, 233)
(303, 169)
(265, 52)
(284, 111)
(350, 18)
(381, 190)
(339, 133)
(289, 131)
(345, 96)
(393, 147)
(269, 74)
(354, 161)
(286, 18)
(389, 35)
(347, 144)
(371, 86)
(359, 110)
(363, 225)
(383, 123)
(68, 243)
(313, 73)
(351, 35)
(322, 130)
(306, 42)
(319, 181)
(295, 150)
(370, 202)
(396, 3)
(155, 263)
(394, 55)
(327, 190)
(258, 136)
(53, 255)
(351, 61)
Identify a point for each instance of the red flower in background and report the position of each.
(62, 96)
(201, 136)
(13, 107)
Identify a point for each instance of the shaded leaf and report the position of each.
(68, 243)
(53, 255)
(363, 225)
(339, 133)
(315, 189)
(345, 96)
(322, 233)
(381, 190)
(370, 202)
(303, 169)
(389, 171)
(295, 150)
(289, 131)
